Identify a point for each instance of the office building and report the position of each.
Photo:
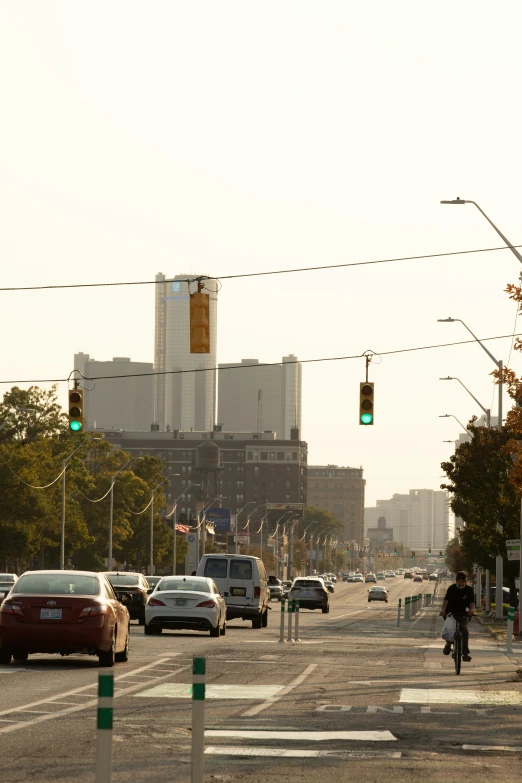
(182, 400)
(380, 536)
(420, 519)
(120, 403)
(255, 397)
(339, 490)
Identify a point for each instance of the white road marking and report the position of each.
(269, 702)
(14, 671)
(338, 617)
(498, 748)
(239, 750)
(311, 736)
(78, 706)
(450, 696)
(175, 690)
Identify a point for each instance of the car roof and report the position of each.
(378, 587)
(70, 572)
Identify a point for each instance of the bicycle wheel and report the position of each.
(457, 651)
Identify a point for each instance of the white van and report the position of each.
(242, 581)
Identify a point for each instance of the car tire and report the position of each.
(141, 618)
(20, 657)
(257, 622)
(107, 658)
(5, 657)
(150, 630)
(223, 630)
(326, 609)
(264, 619)
(123, 656)
(215, 631)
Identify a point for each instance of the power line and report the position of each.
(269, 364)
(254, 274)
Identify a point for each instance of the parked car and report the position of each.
(433, 577)
(370, 578)
(64, 612)
(377, 593)
(311, 592)
(242, 581)
(186, 602)
(134, 584)
(275, 588)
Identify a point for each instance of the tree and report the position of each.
(30, 414)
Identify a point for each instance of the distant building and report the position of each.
(381, 534)
(339, 490)
(420, 519)
(183, 400)
(258, 398)
(120, 403)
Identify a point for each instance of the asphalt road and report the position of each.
(271, 708)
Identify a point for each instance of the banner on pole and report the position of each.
(221, 519)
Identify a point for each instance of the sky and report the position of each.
(232, 137)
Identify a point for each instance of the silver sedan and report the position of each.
(186, 602)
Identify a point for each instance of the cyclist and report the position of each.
(460, 602)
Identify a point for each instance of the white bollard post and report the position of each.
(104, 728)
(290, 610)
(399, 613)
(509, 629)
(198, 720)
(296, 624)
(488, 591)
(282, 625)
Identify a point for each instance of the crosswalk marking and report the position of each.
(450, 696)
(239, 750)
(311, 736)
(176, 690)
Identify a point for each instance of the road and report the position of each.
(271, 708)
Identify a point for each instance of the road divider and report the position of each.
(399, 613)
(509, 629)
(104, 728)
(198, 720)
(292, 608)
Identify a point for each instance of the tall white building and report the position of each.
(252, 397)
(420, 519)
(183, 400)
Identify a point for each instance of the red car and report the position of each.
(65, 612)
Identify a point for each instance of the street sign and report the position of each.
(513, 549)
(242, 540)
(284, 506)
(221, 519)
(477, 569)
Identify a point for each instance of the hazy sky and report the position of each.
(224, 137)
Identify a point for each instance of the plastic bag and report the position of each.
(448, 632)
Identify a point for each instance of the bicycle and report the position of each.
(457, 641)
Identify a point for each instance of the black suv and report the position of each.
(135, 584)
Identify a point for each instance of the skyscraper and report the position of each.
(182, 400)
(252, 397)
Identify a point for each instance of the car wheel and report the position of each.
(141, 618)
(223, 629)
(20, 657)
(123, 656)
(149, 630)
(264, 619)
(326, 609)
(5, 657)
(107, 658)
(257, 622)
(215, 631)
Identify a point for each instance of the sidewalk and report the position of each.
(496, 627)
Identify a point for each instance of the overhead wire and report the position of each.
(33, 486)
(255, 274)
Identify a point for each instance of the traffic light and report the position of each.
(413, 555)
(429, 551)
(440, 554)
(395, 550)
(366, 403)
(199, 322)
(75, 410)
(348, 549)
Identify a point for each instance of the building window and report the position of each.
(287, 497)
(288, 455)
(272, 455)
(240, 470)
(229, 437)
(240, 498)
(182, 436)
(280, 455)
(240, 484)
(288, 468)
(287, 485)
(264, 455)
(183, 469)
(294, 455)
(250, 455)
(256, 470)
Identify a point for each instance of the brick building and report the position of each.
(339, 490)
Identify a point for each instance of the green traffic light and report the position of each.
(75, 426)
(366, 418)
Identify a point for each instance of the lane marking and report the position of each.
(450, 696)
(269, 702)
(76, 707)
(175, 690)
(345, 615)
(498, 748)
(311, 736)
(238, 750)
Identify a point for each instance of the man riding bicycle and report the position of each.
(459, 601)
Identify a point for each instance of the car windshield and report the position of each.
(57, 584)
(197, 585)
(216, 568)
(377, 589)
(5, 586)
(126, 580)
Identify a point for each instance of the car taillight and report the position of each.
(91, 611)
(156, 602)
(257, 592)
(208, 604)
(6, 608)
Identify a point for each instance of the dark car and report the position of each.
(65, 612)
(137, 586)
(377, 593)
(311, 593)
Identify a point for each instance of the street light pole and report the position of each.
(486, 410)
(459, 200)
(451, 416)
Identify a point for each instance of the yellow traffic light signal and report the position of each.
(366, 403)
(199, 322)
(76, 410)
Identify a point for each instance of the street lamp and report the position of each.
(459, 200)
(499, 364)
(451, 416)
(486, 410)
(174, 547)
(111, 508)
(62, 529)
(248, 523)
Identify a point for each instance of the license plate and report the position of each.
(180, 602)
(50, 614)
(238, 591)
